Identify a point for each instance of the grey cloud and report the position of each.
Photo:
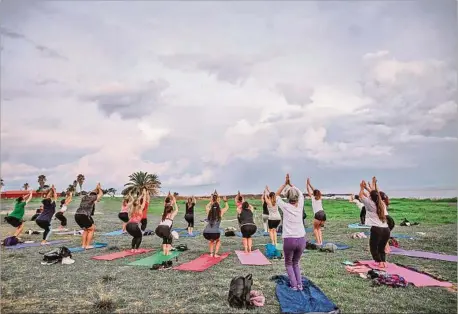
(296, 95)
(46, 82)
(130, 103)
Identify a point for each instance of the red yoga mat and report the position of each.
(202, 263)
(122, 254)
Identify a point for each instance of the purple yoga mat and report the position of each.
(24, 245)
(422, 254)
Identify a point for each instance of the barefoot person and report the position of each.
(15, 217)
(146, 199)
(293, 231)
(376, 219)
(274, 214)
(238, 200)
(135, 216)
(164, 229)
(265, 213)
(189, 214)
(211, 232)
(83, 215)
(247, 225)
(49, 208)
(124, 213)
(63, 208)
(319, 214)
(362, 214)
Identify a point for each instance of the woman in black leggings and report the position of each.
(189, 214)
(49, 208)
(133, 225)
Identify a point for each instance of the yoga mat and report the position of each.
(395, 235)
(202, 263)
(187, 235)
(24, 245)
(114, 233)
(415, 278)
(311, 299)
(254, 258)
(80, 249)
(340, 246)
(422, 254)
(179, 229)
(122, 254)
(78, 232)
(358, 226)
(156, 258)
(308, 229)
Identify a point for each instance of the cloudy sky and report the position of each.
(230, 95)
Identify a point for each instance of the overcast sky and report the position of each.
(229, 95)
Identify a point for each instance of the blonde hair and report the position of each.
(135, 208)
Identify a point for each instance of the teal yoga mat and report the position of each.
(80, 249)
(156, 258)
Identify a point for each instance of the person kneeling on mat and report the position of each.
(135, 216)
(83, 215)
(247, 225)
(212, 231)
(49, 208)
(320, 215)
(164, 229)
(189, 214)
(63, 208)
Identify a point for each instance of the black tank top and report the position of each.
(246, 217)
(265, 210)
(190, 209)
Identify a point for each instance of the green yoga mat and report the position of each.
(156, 258)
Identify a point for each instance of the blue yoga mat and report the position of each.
(308, 229)
(395, 235)
(340, 246)
(114, 233)
(179, 229)
(187, 235)
(311, 299)
(80, 249)
(24, 245)
(358, 226)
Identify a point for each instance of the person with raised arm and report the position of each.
(49, 209)
(189, 214)
(265, 213)
(362, 214)
(293, 233)
(212, 231)
(15, 218)
(274, 215)
(146, 197)
(247, 226)
(164, 229)
(376, 219)
(318, 211)
(83, 215)
(124, 213)
(133, 226)
(63, 208)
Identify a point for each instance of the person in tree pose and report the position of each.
(318, 211)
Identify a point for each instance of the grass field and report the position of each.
(27, 286)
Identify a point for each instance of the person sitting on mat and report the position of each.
(145, 201)
(124, 213)
(189, 215)
(15, 217)
(136, 207)
(376, 219)
(293, 232)
(318, 211)
(247, 225)
(49, 208)
(362, 214)
(274, 214)
(265, 213)
(214, 214)
(84, 213)
(63, 208)
(37, 213)
(164, 229)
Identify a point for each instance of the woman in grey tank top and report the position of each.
(214, 214)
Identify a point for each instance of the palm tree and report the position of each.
(71, 188)
(41, 181)
(26, 186)
(140, 180)
(80, 179)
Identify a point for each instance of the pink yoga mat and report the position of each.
(122, 254)
(202, 263)
(417, 279)
(253, 258)
(422, 254)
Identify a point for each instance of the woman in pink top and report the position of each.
(124, 213)
(135, 217)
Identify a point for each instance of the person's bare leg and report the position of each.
(124, 227)
(84, 239)
(250, 244)
(315, 233)
(217, 246)
(210, 245)
(90, 236)
(271, 234)
(191, 228)
(245, 245)
(18, 231)
(164, 249)
(275, 237)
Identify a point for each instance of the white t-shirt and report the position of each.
(372, 218)
(274, 214)
(63, 209)
(358, 203)
(317, 205)
(293, 226)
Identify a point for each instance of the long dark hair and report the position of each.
(214, 214)
(20, 199)
(245, 206)
(167, 210)
(377, 199)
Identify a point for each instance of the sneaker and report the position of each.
(67, 261)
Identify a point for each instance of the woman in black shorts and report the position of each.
(319, 214)
(124, 213)
(189, 214)
(265, 213)
(214, 214)
(15, 217)
(164, 229)
(274, 214)
(247, 225)
(83, 216)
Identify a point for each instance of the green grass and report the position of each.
(97, 286)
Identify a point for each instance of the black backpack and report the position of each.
(239, 292)
(229, 232)
(181, 247)
(56, 255)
